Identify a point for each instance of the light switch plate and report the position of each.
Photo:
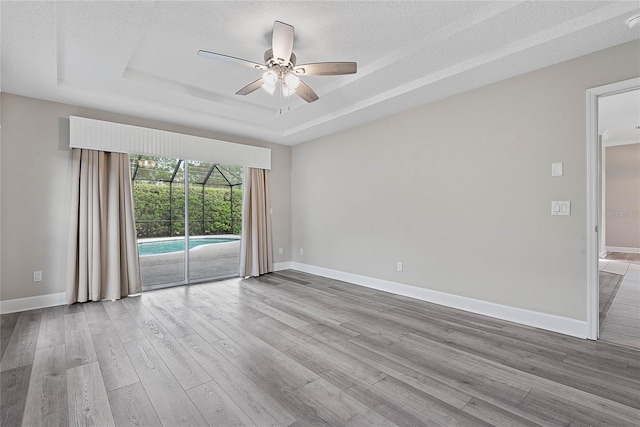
(561, 208)
(556, 169)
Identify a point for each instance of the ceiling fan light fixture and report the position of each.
(270, 89)
(291, 81)
(287, 91)
(270, 78)
(280, 63)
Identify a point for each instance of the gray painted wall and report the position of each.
(622, 196)
(35, 193)
(460, 190)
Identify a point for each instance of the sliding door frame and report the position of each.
(187, 231)
(187, 236)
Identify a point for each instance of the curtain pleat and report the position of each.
(103, 253)
(256, 249)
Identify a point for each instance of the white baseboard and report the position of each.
(550, 322)
(622, 249)
(279, 266)
(603, 254)
(32, 303)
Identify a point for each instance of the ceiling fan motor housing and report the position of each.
(271, 62)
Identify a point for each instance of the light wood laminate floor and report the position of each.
(621, 323)
(295, 349)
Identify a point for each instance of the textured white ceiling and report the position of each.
(139, 58)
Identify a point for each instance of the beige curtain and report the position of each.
(103, 253)
(256, 251)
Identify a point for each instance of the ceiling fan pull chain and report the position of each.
(280, 94)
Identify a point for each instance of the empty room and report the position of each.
(309, 213)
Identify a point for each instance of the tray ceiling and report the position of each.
(139, 58)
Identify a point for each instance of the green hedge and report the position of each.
(154, 217)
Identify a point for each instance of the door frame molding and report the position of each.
(594, 216)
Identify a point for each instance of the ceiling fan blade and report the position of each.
(326, 68)
(282, 42)
(227, 58)
(306, 93)
(253, 86)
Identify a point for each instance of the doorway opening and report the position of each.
(188, 220)
(619, 265)
(610, 198)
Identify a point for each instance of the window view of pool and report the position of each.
(177, 245)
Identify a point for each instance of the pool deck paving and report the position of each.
(207, 261)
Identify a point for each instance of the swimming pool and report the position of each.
(177, 245)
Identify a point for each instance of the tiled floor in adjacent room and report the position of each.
(622, 322)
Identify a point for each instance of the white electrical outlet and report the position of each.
(399, 266)
(280, 251)
(37, 276)
(301, 251)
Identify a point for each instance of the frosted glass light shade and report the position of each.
(291, 80)
(270, 89)
(270, 77)
(287, 91)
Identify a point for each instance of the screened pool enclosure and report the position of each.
(181, 204)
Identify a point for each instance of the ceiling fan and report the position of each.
(280, 66)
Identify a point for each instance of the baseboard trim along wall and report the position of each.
(622, 249)
(279, 266)
(51, 300)
(32, 303)
(550, 322)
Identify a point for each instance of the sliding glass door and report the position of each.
(215, 222)
(188, 219)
